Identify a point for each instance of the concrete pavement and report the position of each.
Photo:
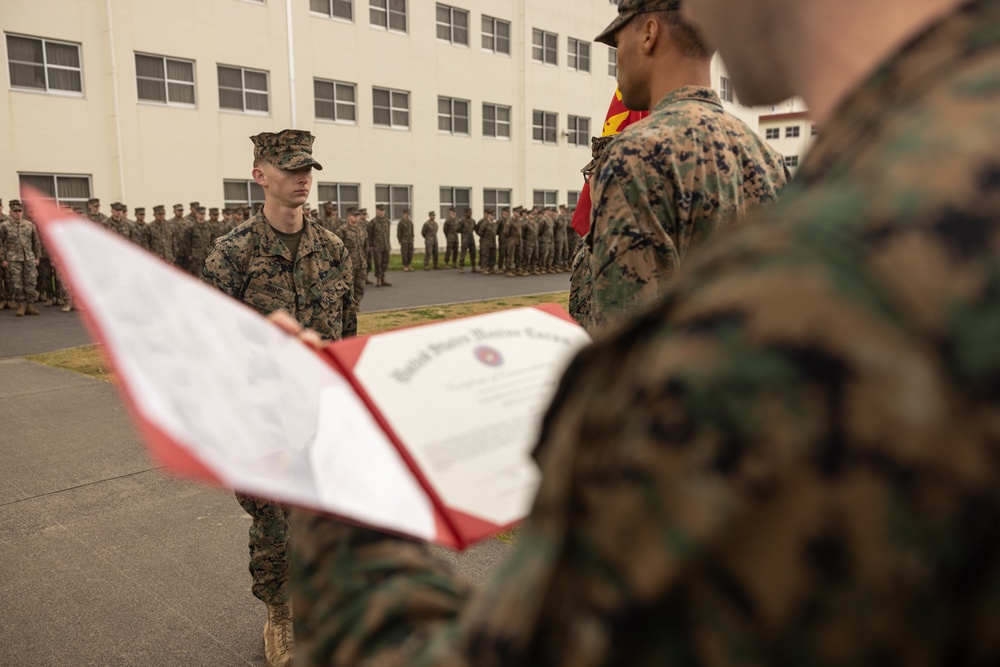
(105, 559)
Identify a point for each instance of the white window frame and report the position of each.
(549, 126)
(330, 9)
(45, 66)
(393, 93)
(612, 62)
(254, 193)
(578, 130)
(450, 26)
(772, 133)
(383, 8)
(726, 89)
(394, 207)
(447, 122)
(497, 200)
(792, 132)
(547, 197)
(449, 197)
(341, 202)
(244, 91)
(490, 26)
(67, 201)
(492, 129)
(542, 43)
(167, 81)
(791, 161)
(337, 101)
(578, 54)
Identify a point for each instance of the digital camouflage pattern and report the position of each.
(486, 229)
(451, 240)
(381, 243)
(268, 549)
(790, 459)
(404, 235)
(161, 240)
(356, 241)
(467, 236)
(141, 235)
(288, 149)
(200, 240)
(581, 285)
(665, 185)
(252, 265)
(22, 249)
(429, 231)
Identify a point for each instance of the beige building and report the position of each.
(789, 130)
(417, 105)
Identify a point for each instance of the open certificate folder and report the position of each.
(425, 432)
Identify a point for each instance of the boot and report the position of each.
(378, 282)
(474, 270)
(69, 306)
(386, 283)
(510, 274)
(31, 310)
(11, 305)
(21, 307)
(279, 643)
(486, 272)
(462, 269)
(427, 268)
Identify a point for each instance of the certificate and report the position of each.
(424, 432)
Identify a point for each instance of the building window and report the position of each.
(815, 130)
(44, 64)
(542, 198)
(164, 80)
(578, 55)
(544, 47)
(726, 89)
(453, 115)
(453, 25)
(572, 197)
(388, 14)
(395, 198)
(496, 200)
(496, 35)
(339, 9)
(335, 100)
(543, 126)
(612, 62)
(772, 133)
(391, 108)
(496, 121)
(791, 132)
(791, 161)
(243, 89)
(66, 189)
(460, 198)
(578, 131)
(242, 193)
(343, 196)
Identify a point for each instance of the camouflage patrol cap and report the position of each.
(328, 204)
(118, 206)
(363, 211)
(195, 204)
(179, 206)
(15, 205)
(213, 211)
(94, 202)
(159, 208)
(288, 149)
(140, 211)
(431, 213)
(629, 9)
(379, 207)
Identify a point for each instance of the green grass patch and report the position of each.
(86, 360)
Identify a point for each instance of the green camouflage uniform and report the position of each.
(141, 235)
(529, 243)
(545, 242)
(512, 232)
(21, 248)
(649, 210)
(200, 239)
(404, 234)
(381, 244)
(122, 227)
(790, 459)
(467, 234)
(161, 240)
(356, 241)
(559, 250)
(502, 223)
(487, 231)
(581, 285)
(451, 241)
(430, 233)
(252, 265)
(178, 229)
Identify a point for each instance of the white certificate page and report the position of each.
(466, 398)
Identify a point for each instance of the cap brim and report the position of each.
(607, 36)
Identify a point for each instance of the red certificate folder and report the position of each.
(424, 432)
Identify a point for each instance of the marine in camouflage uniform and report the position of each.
(381, 245)
(118, 223)
(429, 232)
(404, 235)
(581, 280)
(356, 240)
(161, 238)
(512, 232)
(21, 247)
(140, 230)
(201, 239)
(545, 242)
(467, 234)
(789, 458)
(559, 255)
(94, 212)
(178, 230)
(529, 245)
(5, 295)
(649, 212)
(487, 231)
(502, 223)
(451, 240)
(306, 272)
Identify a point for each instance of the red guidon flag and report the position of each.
(619, 117)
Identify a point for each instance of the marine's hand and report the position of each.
(290, 325)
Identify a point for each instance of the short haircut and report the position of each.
(686, 37)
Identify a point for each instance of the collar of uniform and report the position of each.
(695, 93)
(272, 246)
(915, 68)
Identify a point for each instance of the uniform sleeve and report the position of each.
(633, 255)
(36, 242)
(349, 303)
(220, 272)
